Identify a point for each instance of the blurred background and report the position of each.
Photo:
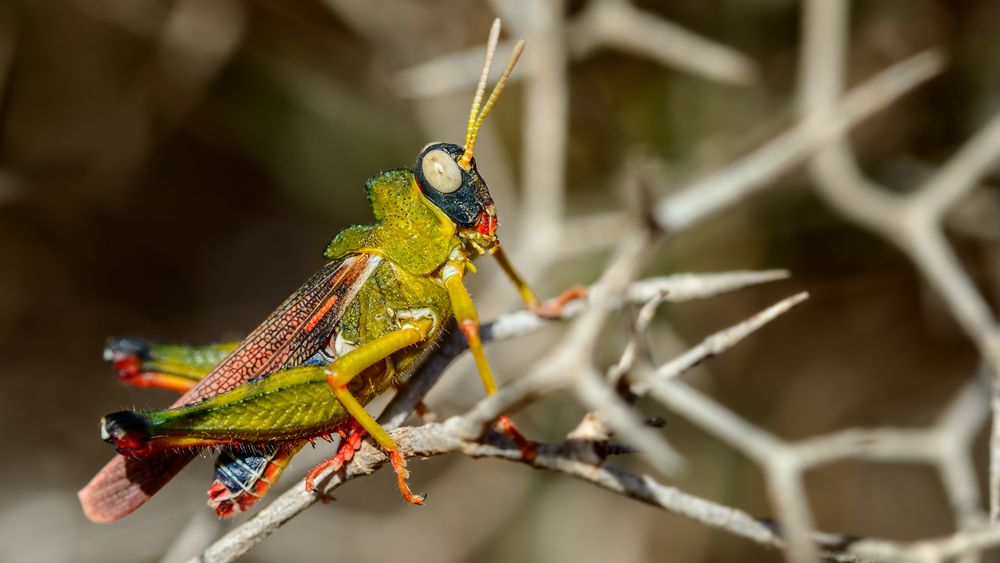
(173, 169)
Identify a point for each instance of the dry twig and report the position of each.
(459, 434)
(912, 222)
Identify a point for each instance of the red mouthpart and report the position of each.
(487, 223)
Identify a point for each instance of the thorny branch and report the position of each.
(605, 23)
(296, 499)
(912, 222)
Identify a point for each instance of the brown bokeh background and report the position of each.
(173, 169)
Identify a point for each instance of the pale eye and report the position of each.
(441, 171)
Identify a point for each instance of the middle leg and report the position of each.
(343, 370)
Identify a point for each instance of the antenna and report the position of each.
(491, 47)
(476, 116)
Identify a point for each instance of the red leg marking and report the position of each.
(527, 447)
(220, 498)
(351, 441)
(128, 366)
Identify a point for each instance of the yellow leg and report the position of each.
(347, 367)
(468, 322)
(522, 286)
(340, 373)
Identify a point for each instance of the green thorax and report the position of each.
(409, 230)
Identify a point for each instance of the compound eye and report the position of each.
(441, 171)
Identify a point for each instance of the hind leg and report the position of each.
(163, 366)
(284, 405)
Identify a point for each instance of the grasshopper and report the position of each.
(352, 331)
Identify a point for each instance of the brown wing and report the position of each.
(291, 334)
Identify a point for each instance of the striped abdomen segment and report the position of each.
(241, 479)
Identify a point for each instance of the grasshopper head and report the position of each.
(461, 193)
(447, 174)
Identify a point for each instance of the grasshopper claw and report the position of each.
(553, 308)
(399, 465)
(528, 448)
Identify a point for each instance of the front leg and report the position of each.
(523, 289)
(550, 309)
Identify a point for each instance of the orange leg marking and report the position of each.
(553, 308)
(399, 465)
(528, 448)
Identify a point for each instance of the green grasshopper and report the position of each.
(352, 331)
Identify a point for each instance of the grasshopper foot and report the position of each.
(399, 465)
(345, 453)
(553, 308)
(425, 413)
(527, 447)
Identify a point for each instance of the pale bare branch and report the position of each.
(753, 172)
(619, 24)
(827, 114)
(912, 222)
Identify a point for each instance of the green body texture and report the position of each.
(411, 241)
(353, 330)
(410, 231)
